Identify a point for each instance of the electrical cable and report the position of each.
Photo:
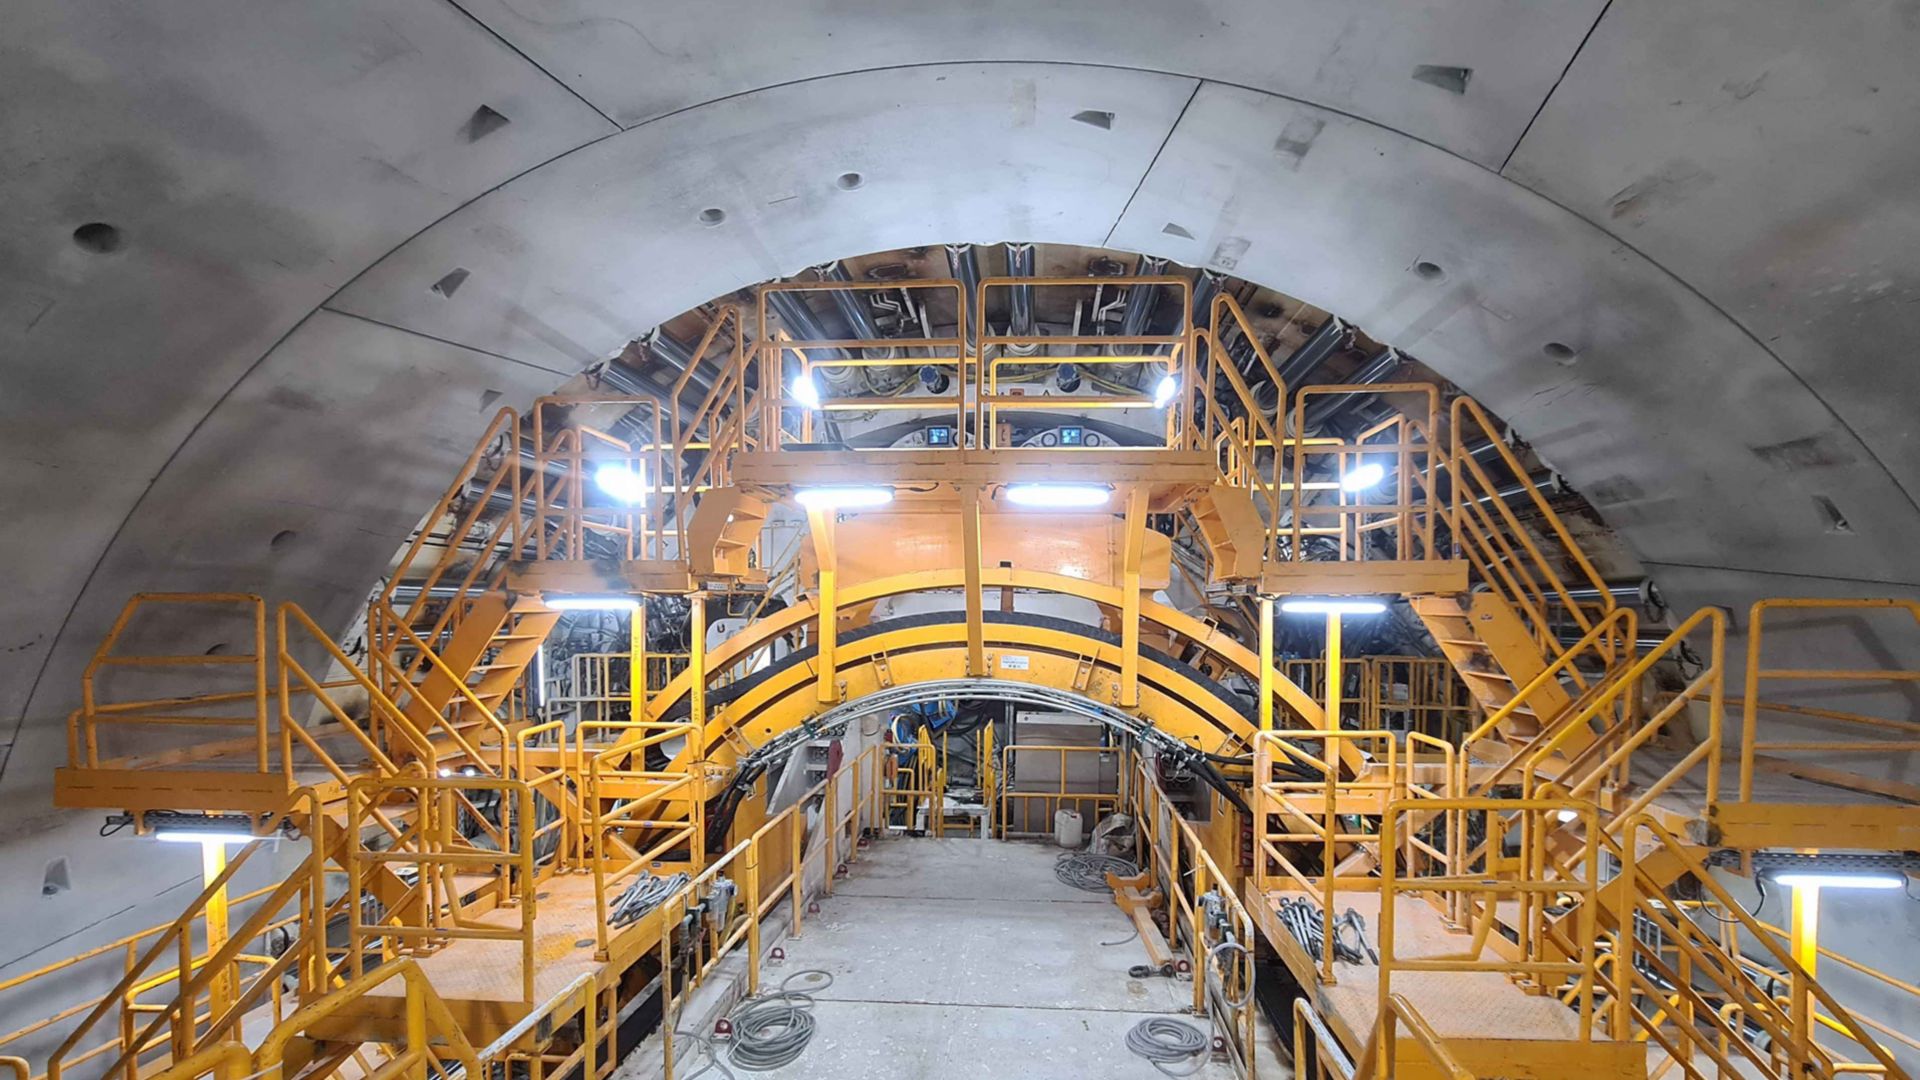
(645, 893)
(1088, 872)
(1124, 940)
(1164, 1041)
(1759, 884)
(1230, 945)
(771, 1031)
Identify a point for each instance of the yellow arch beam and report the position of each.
(764, 631)
(1042, 655)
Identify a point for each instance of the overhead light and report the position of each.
(593, 603)
(846, 497)
(1834, 879)
(623, 483)
(806, 391)
(1164, 390)
(1058, 496)
(204, 836)
(1363, 477)
(1332, 607)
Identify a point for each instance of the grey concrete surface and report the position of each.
(1714, 207)
(960, 959)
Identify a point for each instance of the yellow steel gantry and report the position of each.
(1508, 868)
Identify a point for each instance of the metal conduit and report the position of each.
(1640, 593)
(792, 309)
(1546, 480)
(847, 302)
(1329, 339)
(1377, 368)
(964, 264)
(1020, 300)
(1138, 311)
(1204, 290)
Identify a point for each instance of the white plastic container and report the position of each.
(1068, 829)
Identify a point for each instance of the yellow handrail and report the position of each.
(1402, 1011)
(1751, 706)
(431, 1031)
(1503, 551)
(1791, 1027)
(303, 807)
(83, 742)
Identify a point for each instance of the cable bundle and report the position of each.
(771, 1030)
(1350, 945)
(1088, 872)
(1165, 1040)
(646, 893)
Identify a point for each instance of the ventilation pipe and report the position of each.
(1329, 339)
(1375, 370)
(851, 307)
(1204, 290)
(1020, 300)
(1546, 480)
(1138, 313)
(964, 264)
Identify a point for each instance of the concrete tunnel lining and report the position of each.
(286, 264)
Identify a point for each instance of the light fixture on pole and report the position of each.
(1333, 608)
(1807, 882)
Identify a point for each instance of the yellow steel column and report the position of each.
(821, 523)
(1804, 939)
(213, 863)
(1134, 550)
(636, 663)
(697, 677)
(1333, 672)
(1266, 663)
(976, 603)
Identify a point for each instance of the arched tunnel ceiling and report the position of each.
(1713, 202)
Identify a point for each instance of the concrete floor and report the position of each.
(962, 959)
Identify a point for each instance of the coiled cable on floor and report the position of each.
(771, 1031)
(1165, 1041)
(1088, 872)
(646, 893)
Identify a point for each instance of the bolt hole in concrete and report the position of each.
(850, 180)
(451, 283)
(98, 238)
(281, 538)
(1431, 271)
(712, 215)
(58, 878)
(1559, 353)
